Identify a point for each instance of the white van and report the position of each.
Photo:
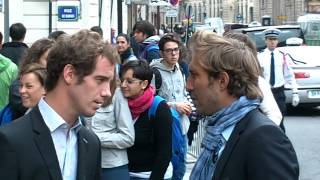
(216, 24)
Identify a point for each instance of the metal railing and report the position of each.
(195, 148)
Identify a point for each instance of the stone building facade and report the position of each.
(246, 11)
(281, 11)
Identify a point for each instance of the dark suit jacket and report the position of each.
(27, 151)
(257, 150)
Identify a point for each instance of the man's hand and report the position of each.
(184, 108)
(295, 99)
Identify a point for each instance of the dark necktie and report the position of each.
(272, 74)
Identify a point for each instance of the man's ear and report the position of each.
(223, 80)
(68, 73)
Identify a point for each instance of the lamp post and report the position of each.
(50, 16)
(6, 20)
(119, 6)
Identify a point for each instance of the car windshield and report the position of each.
(303, 55)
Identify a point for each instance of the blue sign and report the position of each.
(67, 13)
(239, 17)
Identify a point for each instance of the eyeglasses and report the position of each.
(176, 50)
(130, 81)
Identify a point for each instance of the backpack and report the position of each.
(194, 116)
(6, 115)
(158, 78)
(152, 47)
(178, 140)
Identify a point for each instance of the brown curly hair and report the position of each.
(37, 49)
(81, 51)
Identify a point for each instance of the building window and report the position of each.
(288, 3)
(263, 4)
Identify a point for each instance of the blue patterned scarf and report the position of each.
(213, 139)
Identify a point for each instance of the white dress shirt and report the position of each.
(283, 71)
(64, 139)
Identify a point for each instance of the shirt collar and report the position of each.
(53, 120)
(227, 132)
(269, 51)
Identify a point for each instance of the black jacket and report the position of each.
(153, 143)
(14, 51)
(257, 150)
(27, 151)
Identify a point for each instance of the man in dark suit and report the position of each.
(49, 143)
(240, 142)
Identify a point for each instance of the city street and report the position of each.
(302, 127)
(303, 130)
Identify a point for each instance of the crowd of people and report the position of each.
(78, 106)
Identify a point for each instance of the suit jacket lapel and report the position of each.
(82, 152)
(43, 141)
(233, 140)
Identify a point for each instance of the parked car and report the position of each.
(254, 24)
(306, 66)
(231, 26)
(257, 35)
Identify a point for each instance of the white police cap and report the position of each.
(271, 32)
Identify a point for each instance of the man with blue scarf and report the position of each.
(240, 142)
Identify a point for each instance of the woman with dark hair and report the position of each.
(38, 52)
(150, 155)
(124, 48)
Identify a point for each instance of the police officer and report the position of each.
(277, 71)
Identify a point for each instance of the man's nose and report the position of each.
(189, 86)
(106, 92)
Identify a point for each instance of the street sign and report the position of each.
(67, 13)
(172, 13)
(239, 17)
(282, 17)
